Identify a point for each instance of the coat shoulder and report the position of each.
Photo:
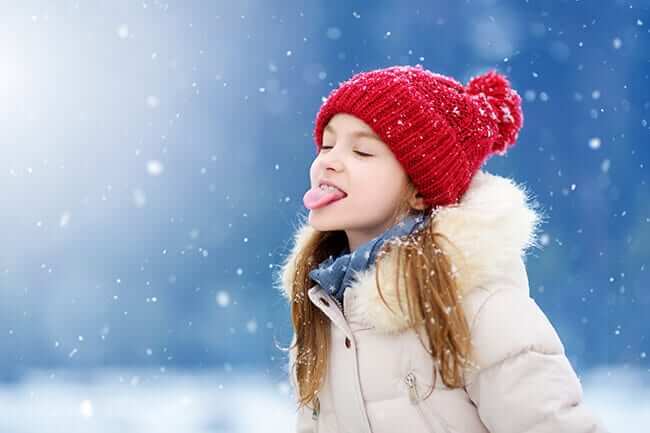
(506, 322)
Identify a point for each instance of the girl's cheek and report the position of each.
(312, 169)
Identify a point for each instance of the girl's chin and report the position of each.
(329, 226)
(321, 220)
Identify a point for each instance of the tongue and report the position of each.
(316, 197)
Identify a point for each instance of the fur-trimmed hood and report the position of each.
(492, 227)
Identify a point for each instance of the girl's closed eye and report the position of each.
(356, 151)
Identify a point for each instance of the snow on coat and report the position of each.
(378, 371)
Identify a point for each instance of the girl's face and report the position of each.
(355, 159)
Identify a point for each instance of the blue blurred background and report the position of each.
(153, 160)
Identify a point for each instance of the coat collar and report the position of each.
(493, 225)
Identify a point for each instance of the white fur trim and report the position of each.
(492, 226)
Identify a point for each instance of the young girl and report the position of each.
(409, 296)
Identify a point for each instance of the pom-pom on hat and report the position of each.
(439, 131)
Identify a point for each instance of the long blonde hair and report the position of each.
(432, 295)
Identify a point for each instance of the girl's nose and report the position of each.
(330, 158)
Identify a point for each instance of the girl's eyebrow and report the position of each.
(357, 134)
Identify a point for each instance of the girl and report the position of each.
(409, 296)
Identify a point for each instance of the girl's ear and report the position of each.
(417, 201)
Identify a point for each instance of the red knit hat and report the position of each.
(440, 132)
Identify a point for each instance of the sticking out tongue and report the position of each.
(316, 197)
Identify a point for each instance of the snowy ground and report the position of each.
(174, 401)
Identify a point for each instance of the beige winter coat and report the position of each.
(379, 371)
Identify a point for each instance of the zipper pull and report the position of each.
(413, 391)
(316, 411)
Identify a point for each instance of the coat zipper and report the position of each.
(338, 303)
(415, 400)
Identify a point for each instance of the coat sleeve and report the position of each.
(524, 382)
(304, 422)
